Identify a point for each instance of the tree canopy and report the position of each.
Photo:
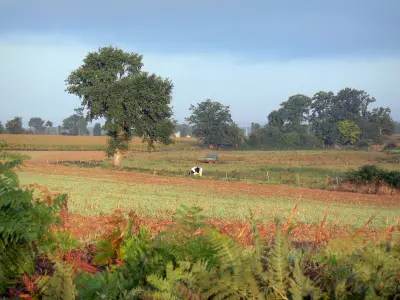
(75, 124)
(2, 129)
(326, 118)
(14, 126)
(111, 84)
(397, 127)
(349, 131)
(212, 123)
(328, 109)
(97, 129)
(36, 123)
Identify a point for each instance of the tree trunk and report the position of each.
(117, 159)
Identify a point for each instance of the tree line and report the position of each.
(111, 85)
(325, 119)
(76, 124)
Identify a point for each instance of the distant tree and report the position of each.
(255, 127)
(397, 127)
(349, 131)
(350, 104)
(48, 125)
(212, 123)
(321, 119)
(36, 123)
(185, 130)
(59, 130)
(14, 126)
(2, 129)
(292, 115)
(381, 118)
(97, 129)
(75, 125)
(112, 85)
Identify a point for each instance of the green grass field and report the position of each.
(94, 196)
(300, 168)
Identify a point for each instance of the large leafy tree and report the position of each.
(36, 123)
(351, 104)
(111, 84)
(14, 126)
(48, 125)
(2, 129)
(292, 114)
(328, 109)
(322, 121)
(212, 123)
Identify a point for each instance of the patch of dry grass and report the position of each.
(62, 142)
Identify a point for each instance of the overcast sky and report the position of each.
(250, 55)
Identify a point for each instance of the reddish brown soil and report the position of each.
(38, 164)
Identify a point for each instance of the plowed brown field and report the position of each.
(38, 164)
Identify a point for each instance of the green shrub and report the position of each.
(369, 174)
(390, 146)
(24, 223)
(362, 144)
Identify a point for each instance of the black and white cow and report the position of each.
(196, 171)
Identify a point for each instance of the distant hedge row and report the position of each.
(369, 174)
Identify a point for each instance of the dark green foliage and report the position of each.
(372, 174)
(97, 129)
(36, 123)
(14, 126)
(2, 129)
(75, 124)
(366, 174)
(111, 85)
(270, 137)
(24, 223)
(292, 114)
(396, 128)
(212, 123)
(324, 113)
(362, 144)
(390, 146)
(58, 286)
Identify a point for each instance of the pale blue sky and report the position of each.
(250, 55)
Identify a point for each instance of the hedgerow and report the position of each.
(371, 174)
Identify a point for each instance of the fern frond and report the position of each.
(188, 219)
(301, 286)
(278, 268)
(170, 286)
(228, 252)
(60, 285)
